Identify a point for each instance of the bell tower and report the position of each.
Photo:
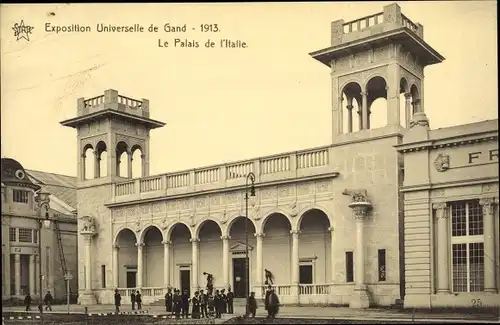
(379, 56)
(112, 124)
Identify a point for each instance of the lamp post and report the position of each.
(251, 178)
(43, 200)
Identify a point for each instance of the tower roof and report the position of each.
(77, 121)
(13, 173)
(377, 30)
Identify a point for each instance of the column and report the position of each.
(32, 275)
(340, 115)
(166, 264)
(489, 244)
(97, 164)
(349, 117)
(258, 267)
(144, 166)
(88, 263)
(140, 261)
(332, 254)
(295, 256)
(225, 260)
(83, 167)
(116, 267)
(37, 273)
(17, 271)
(129, 164)
(443, 283)
(364, 109)
(194, 264)
(408, 112)
(359, 265)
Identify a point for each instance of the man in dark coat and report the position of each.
(273, 304)
(138, 299)
(133, 300)
(223, 301)
(252, 304)
(177, 304)
(230, 297)
(218, 304)
(168, 301)
(48, 301)
(195, 313)
(266, 300)
(203, 304)
(118, 301)
(211, 305)
(185, 304)
(27, 302)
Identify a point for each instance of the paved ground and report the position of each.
(297, 312)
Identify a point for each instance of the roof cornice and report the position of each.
(443, 143)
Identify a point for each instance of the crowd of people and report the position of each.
(203, 304)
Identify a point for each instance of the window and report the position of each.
(381, 265)
(20, 196)
(467, 246)
(25, 235)
(103, 276)
(35, 236)
(306, 270)
(12, 234)
(349, 267)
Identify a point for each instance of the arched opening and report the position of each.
(314, 248)
(415, 99)
(403, 113)
(127, 259)
(377, 102)
(153, 255)
(102, 164)
(181, 256)
(89, 162)
(122, 160)
(351, 110)
(237, 278)
(100, 150)
(136, 161)
(210, 252)
(277, 245)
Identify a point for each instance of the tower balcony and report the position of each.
(112, 100)
(288, 167)
(390, 19)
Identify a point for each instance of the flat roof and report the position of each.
(77, 121)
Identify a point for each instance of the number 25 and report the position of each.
(476, 303)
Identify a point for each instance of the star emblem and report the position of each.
(22, 31)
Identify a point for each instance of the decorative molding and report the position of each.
(442, 162)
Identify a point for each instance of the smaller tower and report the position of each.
(112, 124)
(379, 56)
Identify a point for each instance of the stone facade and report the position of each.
(450, 201)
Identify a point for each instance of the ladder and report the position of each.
(61, 249)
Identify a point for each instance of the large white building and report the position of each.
(333, 224)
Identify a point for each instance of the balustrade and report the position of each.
(362, 23)
(285, 165)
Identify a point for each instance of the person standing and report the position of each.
(177, 304)
(48, 301)
(223, 301)
(203, 304)
(218, 304)
(252, 304)
(230, 297)
(138, 299)
(195, 313)
(211, 305)
(266, 300)
(185, 304)
(133, 299)
(274, 304)
(27, 302)
(118, 301)
(168, 301)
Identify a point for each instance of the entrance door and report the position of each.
(305, 274)
(185, 276)
(240, 284)
(131, 279)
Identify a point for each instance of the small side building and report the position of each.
(21, 224)
(451, 226)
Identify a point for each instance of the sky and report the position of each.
(220, 105)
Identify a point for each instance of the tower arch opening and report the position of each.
(377, 102)
(101, 159)
(88, 160)
(415, 99)
(403, 99)
(122, 159)
(137, 161)
(351, 94)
